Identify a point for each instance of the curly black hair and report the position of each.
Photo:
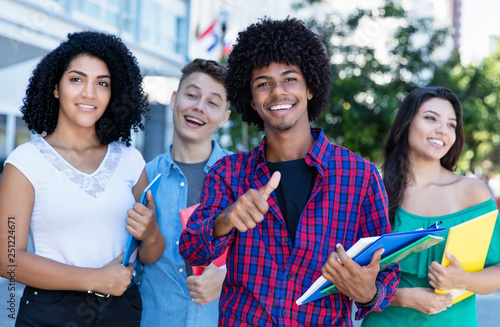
(127, 104)
(286, 41)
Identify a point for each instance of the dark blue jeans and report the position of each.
(73, 309)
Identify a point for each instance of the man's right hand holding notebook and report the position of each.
(351, 279)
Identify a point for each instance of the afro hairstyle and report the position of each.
(285, 41)
(127, 105)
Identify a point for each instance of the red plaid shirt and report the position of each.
(265, 274)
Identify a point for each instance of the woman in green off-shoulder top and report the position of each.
(421, 153)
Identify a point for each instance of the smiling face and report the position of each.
(199, 107)
(280, 96)
(432, 132)
(83, 92)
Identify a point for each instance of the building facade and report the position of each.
(155, 31)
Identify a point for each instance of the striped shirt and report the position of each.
(265, 273)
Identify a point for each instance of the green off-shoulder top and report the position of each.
(414, 272)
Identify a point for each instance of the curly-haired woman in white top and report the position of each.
(74, 191)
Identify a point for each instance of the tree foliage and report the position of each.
(477, 85)
(368, 86)
(378, 56)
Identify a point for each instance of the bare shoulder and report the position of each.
(472, 191)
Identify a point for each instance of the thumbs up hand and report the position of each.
(247, 211)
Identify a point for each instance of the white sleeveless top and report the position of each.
(78, 218)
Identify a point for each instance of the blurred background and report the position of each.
(380, 51)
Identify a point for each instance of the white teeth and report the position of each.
(438, 142)
(86, 106)
(281, 106)
(194, 120)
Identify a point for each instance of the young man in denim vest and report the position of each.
(171, 295)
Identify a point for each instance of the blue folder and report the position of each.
(133, 244)
(390, 242)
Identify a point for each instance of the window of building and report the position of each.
(163, 26)
(157, 24)
(111, 12)
(22, 132)
(3, 135)
(128, 16)
(117, 13)
(181, 37)
(150, 17)
(89, 7)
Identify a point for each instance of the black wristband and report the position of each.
(373, 301)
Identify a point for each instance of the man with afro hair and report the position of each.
(287, 208)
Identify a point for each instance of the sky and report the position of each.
(480, 19)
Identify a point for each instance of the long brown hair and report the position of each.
(395, 165)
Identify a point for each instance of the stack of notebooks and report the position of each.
(397, 247)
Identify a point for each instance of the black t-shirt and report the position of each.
(294, 190)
